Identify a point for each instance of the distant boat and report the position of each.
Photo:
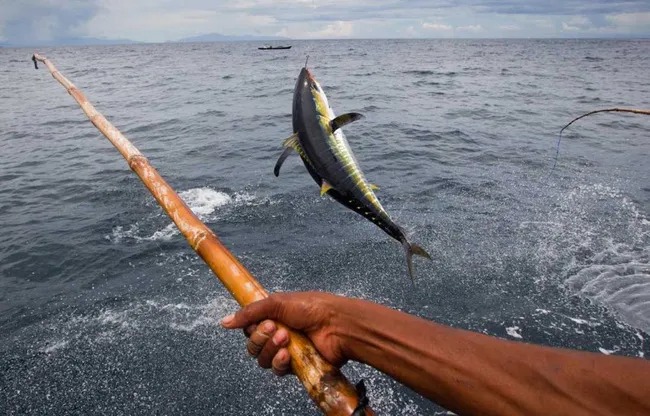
(268, 48)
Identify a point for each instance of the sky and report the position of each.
(23, 21)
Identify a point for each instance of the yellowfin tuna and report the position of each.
(320, 142)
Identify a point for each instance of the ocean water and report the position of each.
(104, 308)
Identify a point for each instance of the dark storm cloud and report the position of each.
(26, 20)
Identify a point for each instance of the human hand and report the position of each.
(316, 314)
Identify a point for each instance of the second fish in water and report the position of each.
(320, 142)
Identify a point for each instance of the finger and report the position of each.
(279, 340)
(260, 337)
(249, 330)
(268, 308)
(281, 363)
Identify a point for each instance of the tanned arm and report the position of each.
(466, 372)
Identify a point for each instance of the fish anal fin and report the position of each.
(344, 119)
(325, 186)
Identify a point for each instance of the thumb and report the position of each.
(268, 308)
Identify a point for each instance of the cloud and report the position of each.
(411, 31)
(338, 29)
(558, 7)
(161, 20)
(147, 22)
(34, 20)
(577, 24)
(436, 26)
(545, 24)
(470, 28)
(509, 28)
(630, 20)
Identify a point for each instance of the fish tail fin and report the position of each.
(410, 249)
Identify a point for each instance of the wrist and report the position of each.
(348, 326)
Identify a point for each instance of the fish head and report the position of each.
(307, 86)
(306, 80)
(309, 100)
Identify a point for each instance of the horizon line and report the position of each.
(114, 42)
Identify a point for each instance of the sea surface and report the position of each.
(104, 308)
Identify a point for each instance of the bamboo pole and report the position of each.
(605, 110)
(326, 385)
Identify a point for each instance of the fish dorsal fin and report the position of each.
(374, 187)
(324, 187)
(344, 119)
(289, 144)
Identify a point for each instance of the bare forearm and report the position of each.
(471, 373)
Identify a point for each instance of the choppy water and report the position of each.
(104, 309)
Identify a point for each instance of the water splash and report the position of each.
(205, 202)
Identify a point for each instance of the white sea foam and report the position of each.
(618, 277)
(606, 260)
(117, 323)
(513, 331)
(579, 321)
(54, 346)
(608, 352)
(204, 202)
(617, 273)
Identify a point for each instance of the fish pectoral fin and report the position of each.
(374, 187)
(344, 119)
(324, 188)
(291, 141)
(281, 159)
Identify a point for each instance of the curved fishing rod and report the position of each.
(326, 385)
(606, 110)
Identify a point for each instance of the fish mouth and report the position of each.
(310, 78)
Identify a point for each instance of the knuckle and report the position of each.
(253, 349)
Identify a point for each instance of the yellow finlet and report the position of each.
(374, 187)
(324, 188)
